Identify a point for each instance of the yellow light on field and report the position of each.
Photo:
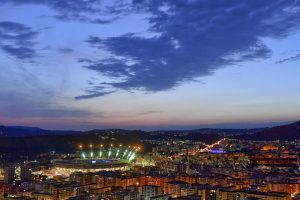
(80, 146)
(91, 145)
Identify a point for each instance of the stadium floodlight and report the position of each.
(132, 157)
(129, 155)
(83, 155)
(124, 154)
(100, 154)
(92, 154)
(117, 154)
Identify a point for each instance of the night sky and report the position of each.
(156, 64)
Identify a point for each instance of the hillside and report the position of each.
(284, 132)
(13, 131)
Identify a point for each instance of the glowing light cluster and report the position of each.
(110, 152)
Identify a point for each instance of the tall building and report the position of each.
(25, 174)
(181, 168)
(9, 174)
(149, 191)
(298, 161)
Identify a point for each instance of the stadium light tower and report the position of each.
(132, 156)
(124, 153)
(117, 154)
(83, 155)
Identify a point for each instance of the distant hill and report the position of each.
(284, 132)
(28, 140)
(13, 131)
(64, 143)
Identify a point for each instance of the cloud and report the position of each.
(149, 112)
(81, 18)
(89, 11)
(19, 52)
(25, 95)
(65, 50)
(289, 59)
(93, 95)
(17, 40)
(192, 39)
(20, 106)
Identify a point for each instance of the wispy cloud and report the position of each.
(17, 40)
(19, 106)
(93, 95)
(65, 50)
(149, 112)
(87, 11)
(289, 59)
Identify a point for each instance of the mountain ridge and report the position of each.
(289, 131)
(284, 132)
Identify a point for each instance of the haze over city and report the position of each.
(161, 64)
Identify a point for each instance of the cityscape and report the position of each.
(219, 164)
(149, 100)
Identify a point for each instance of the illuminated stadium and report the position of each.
(97, 158)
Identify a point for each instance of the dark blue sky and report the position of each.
(159, 63)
